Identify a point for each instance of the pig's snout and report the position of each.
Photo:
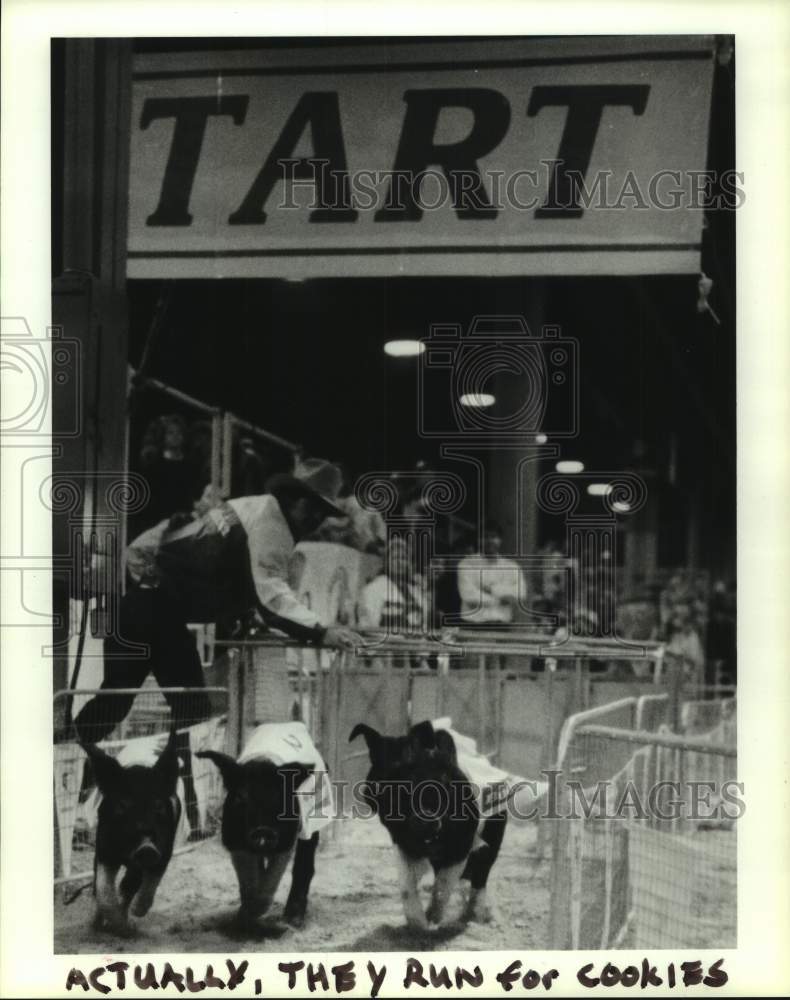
(426, 832)
(263, 838)
(431, 830)
(147, 854)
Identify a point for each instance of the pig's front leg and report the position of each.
(144, 897)
(478, 868)
(445, 882)
(248, 872)
(270, 879)
(257, 882)
(409, 872)
(304, 869)
(109, 911)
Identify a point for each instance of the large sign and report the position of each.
(567, 156)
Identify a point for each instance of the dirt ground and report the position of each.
(354, 904)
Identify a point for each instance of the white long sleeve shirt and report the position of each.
(187, 558)
(271, 546)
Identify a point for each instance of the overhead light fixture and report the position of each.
(598, 489)
(404, 348)
(569, 468)
(541, 438)
(621, 506)
(478, 399)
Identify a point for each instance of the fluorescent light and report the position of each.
(569, 467)
(598, 489)
(404, 348)
(621, 506)
(540, 438)
(478, 399)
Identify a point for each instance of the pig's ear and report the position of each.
(372, 738)
(166, 766)
(228, 767)
(445, 744)
(421, 737)
(107, 770)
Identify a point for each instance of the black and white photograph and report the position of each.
(386, 426)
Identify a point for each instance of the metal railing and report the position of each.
(649, 866)
(223, 423)
(479, 680)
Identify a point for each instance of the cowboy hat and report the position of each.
(315, 478)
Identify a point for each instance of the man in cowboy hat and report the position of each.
(218, 566)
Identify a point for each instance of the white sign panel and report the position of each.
(507, 157)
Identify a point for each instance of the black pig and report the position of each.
(429, 808)
(260, 827)
(138, 816)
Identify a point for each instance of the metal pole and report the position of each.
(267, 435)
(481, 693)
(145, 382)
(216, 451)
(227, 455)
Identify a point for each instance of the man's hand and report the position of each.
(340, 637)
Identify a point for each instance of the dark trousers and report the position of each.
(154, 619)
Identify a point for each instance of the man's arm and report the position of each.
(270, 546)
(474, 589)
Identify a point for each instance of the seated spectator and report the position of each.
(684, 641)
(397, 599)
(722, 633)
(490, 585)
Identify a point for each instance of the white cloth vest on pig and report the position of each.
(493, 786)
(290, 743)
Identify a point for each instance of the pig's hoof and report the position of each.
(114, 923)
(139, 907)
(249, 919)
(480, 912)
(295, 918)
(245, 919)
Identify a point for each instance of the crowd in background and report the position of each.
(476, 587)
